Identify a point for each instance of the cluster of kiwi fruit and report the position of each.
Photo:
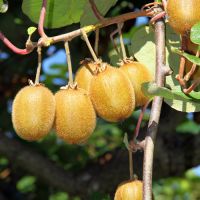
(111, 92)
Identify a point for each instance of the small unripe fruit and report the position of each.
(129, 190)
(112, 94)
(75, 116)
(183, 14)
(138, 74)
(33, 112)
(85, 73)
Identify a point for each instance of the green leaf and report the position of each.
(175, 98)
(3, 6)
(26, 184)
(59, 12)
(88, 16)
(59, 196)
(195, 33)
(31, 30)
(143, 48)
(188, 127)
(189, 57)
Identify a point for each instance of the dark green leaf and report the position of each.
(59, 12)
(88, 16)
(195, 33)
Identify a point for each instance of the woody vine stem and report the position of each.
(161, 71)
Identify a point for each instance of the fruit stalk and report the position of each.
(37, 77)
(155, 111)
(89, 45)
(130, 154)
(120, 25)
(69, 63)
(96, 45)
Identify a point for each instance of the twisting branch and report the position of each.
(13, 47)
(155, 111)
(95, 10)
(46, 41)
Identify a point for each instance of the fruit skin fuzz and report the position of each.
(85, 73)
(138, 74)
(112, 94)
(75, 117)
(129, 190)
(183, 14)
(33, 112)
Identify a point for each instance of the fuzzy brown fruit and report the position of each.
(129, 190)
(75, 116)
(84, 74)
(112, 94)
(183, 14)
(138, 74)
(33, 112)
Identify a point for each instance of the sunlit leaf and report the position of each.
(59, 12)
(175, 98)
(31, 30)
(189, 57)
(3, 6)
(195, 33)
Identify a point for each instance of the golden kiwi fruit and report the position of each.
(75, 117)
(112, 94)
(183, 14)
(129, 190)
(33, 112)
(138, 74)
(85, 74)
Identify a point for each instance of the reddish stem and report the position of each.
(42, 19)
(13, 47)
(95, 10)
(137, 129)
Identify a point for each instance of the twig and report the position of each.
(69, 36)
(13, 47)
(42, 19)
(95, 10)
(156, 110)
(104, 23)
(89, 46)
(119, 26)
(69, 63)
(37, 77)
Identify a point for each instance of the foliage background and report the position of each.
(104, 155)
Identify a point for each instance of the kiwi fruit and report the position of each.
(129, 190)
(183, 14)
(33, 112)
(112, 94)
(84, 74)
(75, 117)
(138, 74)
